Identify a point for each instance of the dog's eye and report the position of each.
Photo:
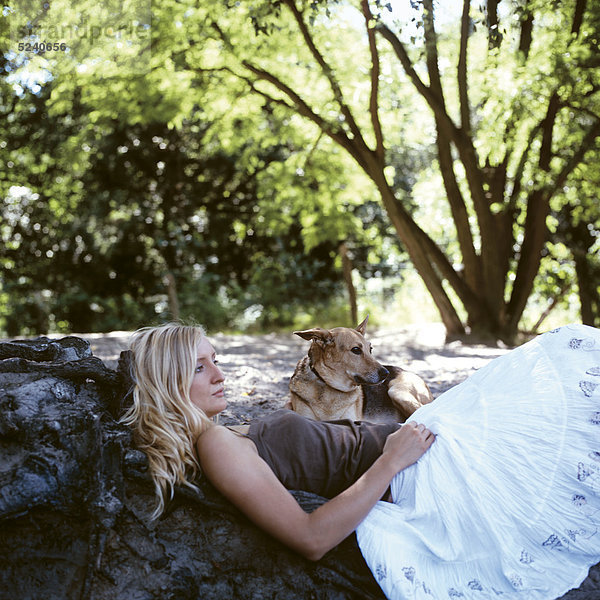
(356, 350)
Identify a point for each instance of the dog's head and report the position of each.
(342, 357)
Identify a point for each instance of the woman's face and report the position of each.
(207, 391)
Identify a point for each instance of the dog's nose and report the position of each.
(383, 373)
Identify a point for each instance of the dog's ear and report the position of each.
(320, 335)
(362, 328)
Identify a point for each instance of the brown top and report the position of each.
(323, 457)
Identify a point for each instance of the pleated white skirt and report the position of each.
(506, 503)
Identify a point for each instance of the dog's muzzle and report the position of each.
(378, 376)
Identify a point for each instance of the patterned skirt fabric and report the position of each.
(506, 503)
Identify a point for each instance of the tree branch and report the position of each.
(431, 95)
(431, 53)
(251, 84)
(554, 104)
(336, 134)
(526, 31)
(464, 144)
(463, 94)
(494, 35)
(547, 127)
(472, 273)
(537, 210)
(518, 176)
(355, 147)
(536, 230)
(425, 256)
(580, 7)
(374, 98)
(447, 131)
(312, 149)
(409, 69)
(585, 145)
(470, 300)
(552, 304)
(327, 71)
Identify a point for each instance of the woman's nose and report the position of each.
(218, 374)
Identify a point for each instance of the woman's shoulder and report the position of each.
(214, 436)
(217, 437)
(219, 434)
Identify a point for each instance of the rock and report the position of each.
(44, 349)
(75, 498)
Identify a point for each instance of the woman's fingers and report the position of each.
(424, 435)
(409, 443)
(420, 427)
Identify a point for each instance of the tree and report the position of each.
(177, 210)
(577, 230)
(349, 95)
(179, 196)
(102, 221)
(40, 190)
(516, 151)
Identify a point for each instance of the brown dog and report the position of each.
(339, 379)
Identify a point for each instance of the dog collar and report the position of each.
(316, 373)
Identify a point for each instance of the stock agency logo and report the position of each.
(89, 32)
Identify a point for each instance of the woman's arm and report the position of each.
(234, 467)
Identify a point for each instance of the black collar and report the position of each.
(312, 368)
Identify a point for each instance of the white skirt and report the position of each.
(506, 503)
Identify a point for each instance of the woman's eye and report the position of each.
(356, 350)
(199, 368)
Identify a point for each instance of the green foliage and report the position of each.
(209, 152)
(157, 200)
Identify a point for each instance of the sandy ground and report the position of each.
(258, 367)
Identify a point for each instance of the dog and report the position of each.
(339, 379)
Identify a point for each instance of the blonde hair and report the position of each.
(166, 425)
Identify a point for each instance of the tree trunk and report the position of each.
(471, 262)
(171, 285)
(347, 271)
(409, 234)
(588, 275)
(588, 291)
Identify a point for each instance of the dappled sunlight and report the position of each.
(258, 367)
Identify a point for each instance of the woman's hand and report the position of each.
(405, 446)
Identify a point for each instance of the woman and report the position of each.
(506, 501)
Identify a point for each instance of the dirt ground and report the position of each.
(258, 367)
